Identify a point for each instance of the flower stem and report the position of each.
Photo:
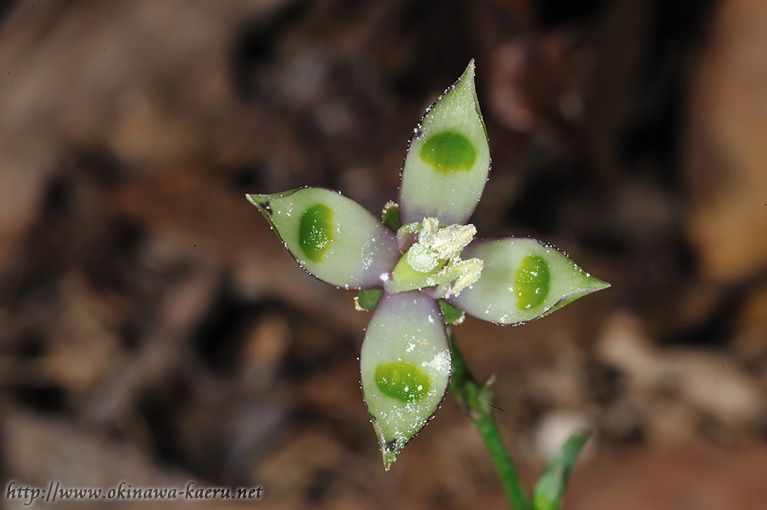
(476, 399)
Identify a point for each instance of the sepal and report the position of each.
(331, 236)
(522, 279)
(405, 368)
(448, 158)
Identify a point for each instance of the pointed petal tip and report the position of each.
(259, 201)
(468, 74)
(599, 284)
(389, 457)
(389, 450)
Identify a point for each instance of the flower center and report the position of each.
(404, 271)
(433, 260)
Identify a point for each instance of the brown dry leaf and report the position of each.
(726, 156)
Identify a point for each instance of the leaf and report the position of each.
(331, 236)
(405, 368)
(448, 158)
(550, 488)
(522, 279)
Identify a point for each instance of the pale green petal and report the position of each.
(522, 280)
(405, 368)
(331, 236)
(448, 159)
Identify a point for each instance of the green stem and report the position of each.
(476, 399)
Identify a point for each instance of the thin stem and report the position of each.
(476, 399)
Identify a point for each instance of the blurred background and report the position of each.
(153, 330)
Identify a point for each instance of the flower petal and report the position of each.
(523, 279)
(448, 159)
(331, 236)
(405, 368)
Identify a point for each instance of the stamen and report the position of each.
(435, 259)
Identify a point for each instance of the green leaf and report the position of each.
(448, 159)
(405, 368)
(331, 236)
(522, 279)
(550, 488)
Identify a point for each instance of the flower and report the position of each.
(421, 263)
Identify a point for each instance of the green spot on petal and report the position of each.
(402, 381)
(532, 282)
(315, 231)
(448, 152)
